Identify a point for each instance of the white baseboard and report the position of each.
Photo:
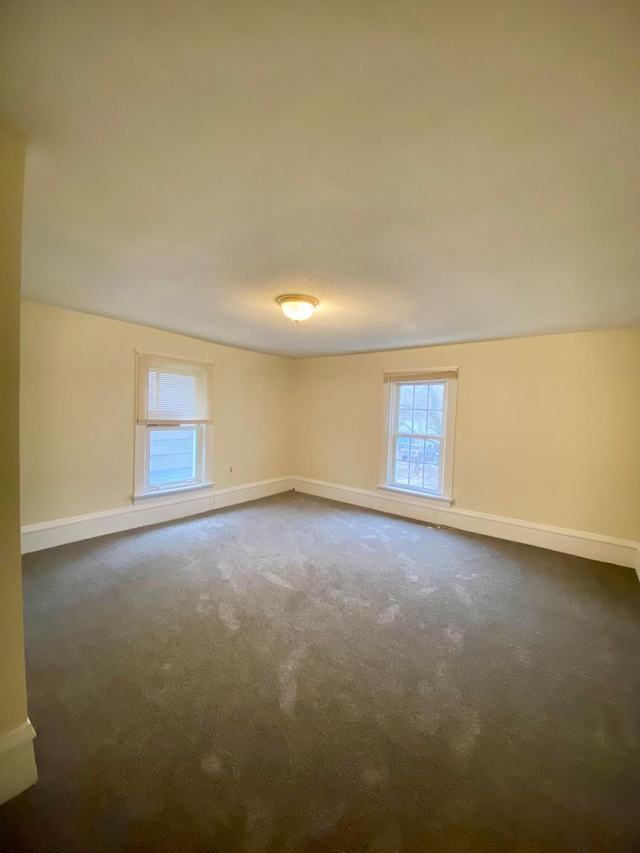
(17, 761)
(607, 549)
(48, 534)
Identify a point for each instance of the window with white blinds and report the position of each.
(172, 392)
(173, 424)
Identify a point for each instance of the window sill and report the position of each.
(422, 496)
(182, 491)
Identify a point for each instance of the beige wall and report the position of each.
(17, 769)
(548, 428)
(77, 410)
(13, 707)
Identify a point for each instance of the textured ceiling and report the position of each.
(430, 171)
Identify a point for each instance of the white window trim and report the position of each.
(170, 495)
(205, 464)
(428, 496)
(447, 445)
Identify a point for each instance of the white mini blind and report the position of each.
(172, 392)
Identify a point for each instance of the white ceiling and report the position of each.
(430, 171)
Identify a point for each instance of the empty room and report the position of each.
(320, 434)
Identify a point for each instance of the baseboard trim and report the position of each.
(49, 534)
(21, 734)
(606, 549)
(17, 761)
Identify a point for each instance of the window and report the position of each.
(421, 423)
(173, 431)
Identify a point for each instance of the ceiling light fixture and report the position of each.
(297, 308)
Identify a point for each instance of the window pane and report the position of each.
(406, 396)
(431, 477)
(436, 396)
(420, 421)
(416, 463)
(421, 396)
(172, 456)
(403, 448)
(415, 475)
(402, 473)
(435, 423)
(405, 421)
(432, 452)
(417, 450)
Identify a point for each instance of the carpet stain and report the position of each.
(276, 580)
(463, 593)
(204, 605)
(389, 615)
(455, 637)
(374, 777)
(212, 765)
(228, 616)
(467, 732)
(288, 679)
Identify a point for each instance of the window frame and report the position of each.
(446, 438)
(143, 431)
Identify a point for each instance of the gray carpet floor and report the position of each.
(299, 675)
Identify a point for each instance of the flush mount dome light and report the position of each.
(297, 308)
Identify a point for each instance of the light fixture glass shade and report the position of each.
(297, 308)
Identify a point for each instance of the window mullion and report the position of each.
(426, 437)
